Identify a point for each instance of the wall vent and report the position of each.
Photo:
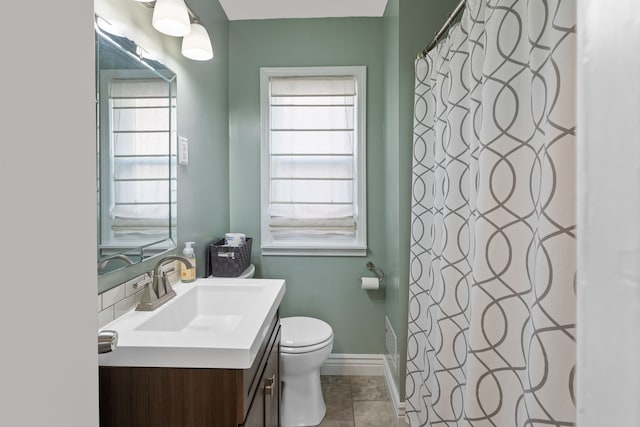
(392, 345)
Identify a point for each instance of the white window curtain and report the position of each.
(143, 123)
(312, 158)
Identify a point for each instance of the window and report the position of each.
(143, 175)
(313, 161)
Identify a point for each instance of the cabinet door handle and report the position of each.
(268, 389)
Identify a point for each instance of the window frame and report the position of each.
(327, 246)
(110, 242)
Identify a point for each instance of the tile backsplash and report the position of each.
(123, 298)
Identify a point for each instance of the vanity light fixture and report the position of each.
(175, 18)
(171, 17)
(197, 45)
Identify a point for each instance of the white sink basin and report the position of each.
(210, 323)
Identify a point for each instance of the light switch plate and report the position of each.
(183, 150)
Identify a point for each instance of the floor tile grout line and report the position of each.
(349, 402)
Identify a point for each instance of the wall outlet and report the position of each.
(183, 150)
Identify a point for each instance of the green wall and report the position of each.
(324, 287)
(408, 26)
(203, 117)
(393, 306)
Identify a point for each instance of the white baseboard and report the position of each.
(398, 406)
(353, 364)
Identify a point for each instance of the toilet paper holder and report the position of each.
(379, 273)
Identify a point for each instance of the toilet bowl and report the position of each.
(305, 344)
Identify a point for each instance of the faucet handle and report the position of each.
(146, 280)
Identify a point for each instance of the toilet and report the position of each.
(248, 273)
(305, 344)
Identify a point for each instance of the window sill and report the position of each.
(289, 250)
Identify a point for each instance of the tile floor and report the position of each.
(357, 401)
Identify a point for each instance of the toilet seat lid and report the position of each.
(304, 331)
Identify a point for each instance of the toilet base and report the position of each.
(302, 400)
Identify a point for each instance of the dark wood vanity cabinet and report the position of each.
(195, 397)
(265, 409)
(263, 388)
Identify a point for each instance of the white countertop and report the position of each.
(210, 323)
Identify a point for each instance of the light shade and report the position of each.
(171, 17)
(197, 45)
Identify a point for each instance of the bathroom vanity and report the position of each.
(211, 360)
(195, 397)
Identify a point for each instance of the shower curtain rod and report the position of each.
(459, 8)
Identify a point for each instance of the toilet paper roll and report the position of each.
(369, 283)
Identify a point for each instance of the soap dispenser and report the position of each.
(188, 274)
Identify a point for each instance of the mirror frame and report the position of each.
(123, 258)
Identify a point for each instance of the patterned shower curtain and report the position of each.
(492, 300)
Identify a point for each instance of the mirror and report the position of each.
(135, 152)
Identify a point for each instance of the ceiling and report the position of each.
(275, 9)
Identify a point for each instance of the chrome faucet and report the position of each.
(160, 290)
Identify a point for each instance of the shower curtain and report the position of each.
(492, 334)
